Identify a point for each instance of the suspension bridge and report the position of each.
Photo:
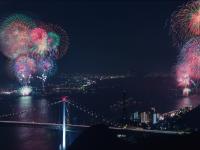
(66, 127)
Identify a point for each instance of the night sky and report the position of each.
(107, 36)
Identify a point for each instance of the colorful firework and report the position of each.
(46, 67)
(14, 35)
(18, 18)
(39, 39)
(15, 40)
(38, 35)
(24, 67)
(32, 48)
(191, 47)
(188, 69)
(190, 55)
(57, 40)
(185, 22)
(183, 75)
(183, 72)
(53, 40)
(64, 42)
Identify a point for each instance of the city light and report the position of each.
(25, 90)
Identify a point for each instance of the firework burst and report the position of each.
(190, 55)
(58, 41)
(39, 39)
(183, 75)
(31, 47)
(185, 22)
(185, 30)
(14, 35)
(46, 67)
(24, 67)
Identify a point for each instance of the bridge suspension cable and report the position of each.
(75, 105)
(27, 110)
(93, 114)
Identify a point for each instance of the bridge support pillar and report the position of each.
(64, 100)
(64, 126)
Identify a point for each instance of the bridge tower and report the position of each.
(124, 109)
(64, 100)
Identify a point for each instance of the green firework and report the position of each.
(18, 18)
(54, 39)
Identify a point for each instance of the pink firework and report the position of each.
(190, 55)
(38, 35)
(57, 40)
(39, 39)
(46, 66)
(183, 75)
(15, 39)
(194, 65)
(185, 22)
(194, 23)
(24, 68)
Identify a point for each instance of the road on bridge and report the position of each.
(71, 127)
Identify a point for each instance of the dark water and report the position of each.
(159, 94)
(26, 138)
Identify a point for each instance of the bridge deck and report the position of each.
(70, 127)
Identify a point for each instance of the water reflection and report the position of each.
(43, 111)
(35, 110)
(25, 102)
(193, 101)
(37, 138)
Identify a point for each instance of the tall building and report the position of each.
(155, 118)
(136, 116)
(124, 109)
(145, 117)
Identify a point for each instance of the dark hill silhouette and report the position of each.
(191, 119)
(101, 138)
